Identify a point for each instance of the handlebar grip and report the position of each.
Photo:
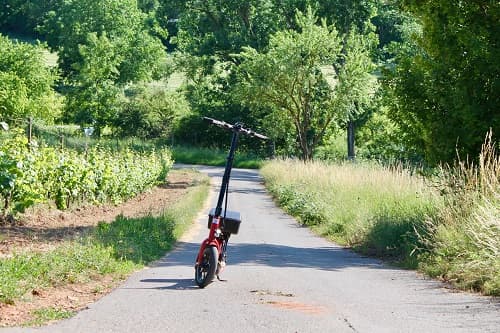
(217, 122)
(260, 136)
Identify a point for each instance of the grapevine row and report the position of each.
(32, 174)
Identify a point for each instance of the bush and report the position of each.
(151, 114)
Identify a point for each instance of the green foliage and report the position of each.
(444, 87)
(333, 148)
(69, 263)
(93, 100)
(386, 211)
(382, 139)
(25, 83)
(45, 315)
(292, 78)
(141, 241)
(17, 176)
(41, 174)
(212, 96)
(214, 27)
(463, 240)
(151, 113)
(214, 156)
(288, 78)
(139, 54)
(390, 24)
(304, 205)
(24, 16)
(356, 86)
(118, 249)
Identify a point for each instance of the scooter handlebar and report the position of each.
(236, 127)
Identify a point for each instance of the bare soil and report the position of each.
(42, 228)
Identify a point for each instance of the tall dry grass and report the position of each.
(368, 206)
(447, 225)
(464, 238)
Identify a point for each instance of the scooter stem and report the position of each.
(227, 173)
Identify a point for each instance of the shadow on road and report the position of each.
(173, 284)
(328, 258)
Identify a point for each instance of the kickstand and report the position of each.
(218, 278)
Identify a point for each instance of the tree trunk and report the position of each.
(351, 155)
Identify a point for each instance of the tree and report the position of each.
(444, 87)
(25, 83)
(351, 18)
(93, 99)
(216, 27)
(356, 84)
(150, 113)
(124, 24)
(24, 16)
(288, 78)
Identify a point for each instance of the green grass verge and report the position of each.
(214, 156)
(117, 248)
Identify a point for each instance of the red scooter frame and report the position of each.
(211, 258)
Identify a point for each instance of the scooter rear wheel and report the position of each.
(205, 270)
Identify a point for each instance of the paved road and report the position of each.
(280, 278)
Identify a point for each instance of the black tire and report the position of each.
(205, 270)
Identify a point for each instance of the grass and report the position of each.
(42, 316)
(372, 208)
(213, 156)
(447, 226)
(71, 137)
(117, 248)
(464, 238)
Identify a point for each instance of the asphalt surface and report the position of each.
(280, 278)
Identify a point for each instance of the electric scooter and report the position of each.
(222, 223)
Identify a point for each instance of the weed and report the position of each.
(44, 315)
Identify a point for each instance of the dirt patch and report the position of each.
(69, 298)
(42, 228)
(300, 307)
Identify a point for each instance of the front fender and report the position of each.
(206, 243)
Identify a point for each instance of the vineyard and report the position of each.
(31, 174)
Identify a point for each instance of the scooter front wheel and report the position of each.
(205, 270)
